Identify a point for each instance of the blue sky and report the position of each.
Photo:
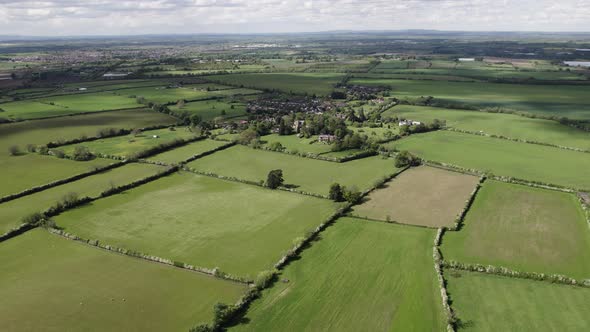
(103, 17)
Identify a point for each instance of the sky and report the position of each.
(121, 17)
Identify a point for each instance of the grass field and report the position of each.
(13, 211)
(128, 145)
(294, 144)
(559, 100)
(377, 133)
(493, 303)
(241, 229)
(73, 287)
(67, 104)
(69, 127)
(31, 170)
(424, 196)
(172, 95)
(508, 125)
(310, 83)
(210, 109)
(521, 160)
(523, 228)
(356, 278)
(307, 174)
(184, 152)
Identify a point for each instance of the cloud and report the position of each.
(99, 17)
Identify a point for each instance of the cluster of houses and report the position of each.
(310, 106)
(409, 123)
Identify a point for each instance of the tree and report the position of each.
(336, 193)
(247, 136)
(81, 153)
(352, 195)
(405, 158)
(136, 132)
(14, 150)
(274, 179)
(276, 146)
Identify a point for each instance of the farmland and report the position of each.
(163, 95)
(493, 303)
(520, 160)
(355, 279)
(185, 152)
(104, 291)
(305, 174)
(507, 125)
(523, 228)
(21, 172)
(14, 211)
(316, 83)
(561, 101)
(210, 109)
(422, 196)
(239, 228)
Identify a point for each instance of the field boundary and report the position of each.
(585, 206)
(442, 283)
(71, 114)
(56, 183)
(360, 155)
(468, 203)
(518, 140)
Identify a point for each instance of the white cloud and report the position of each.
(73, 17)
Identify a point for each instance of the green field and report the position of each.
(184, 152)
(128, 145)
(507, 125)
(492, 303)
(67, 104)
(361, 276)
(559, 100)
(310, 83)
(523, 228)
(52, 284)
(30, 170)
(161, 95)
(65, 128)
(424, 196)
(294, 144)
(12, 212)
(241, 229)
(377, 133)
(521, 160)
(306, 174)
(210, 109)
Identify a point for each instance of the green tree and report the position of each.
(14, 150)
(247, 136)
(336, 193)
(352, 195)
(274, 179)
(405, 158)
(81, 153)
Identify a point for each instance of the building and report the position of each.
(326, 138)
(297, 125)
(409, 123)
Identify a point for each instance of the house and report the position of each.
(82, 89)
(297, 124)
(409, 123)
(326, 138)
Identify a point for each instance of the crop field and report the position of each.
(242, 229)
(67, 104)
(185, 152)
(424, 196)
(128, 145)
(558, 100)
(14, 211)
(24, 171)
(356, 278)
(59, 279)
(507, 125)
(70, 127)
(493, 303)
(520, 160)
(300, 83)
(304, 174)
(210, 109)
(523, 228)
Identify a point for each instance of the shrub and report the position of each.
(405, 158)
(31, 148)
(264, 279)
(14, 150)
(274, 179)
(58, 153)
(33, 218)
(336, 193)
(81, 153)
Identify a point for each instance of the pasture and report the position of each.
(501, 157)
(183, 153)
(164, 95)
(299, 83)
(548, 100)
(424, 196)
(302, 173)
(507, 125)
(294, 144)
(489, 303)
(523, 228)
(14, 211)
(71, 286)
(65, 128)
(203, 221)
(129, 145)
(30, 170)
(356, 278)
(211, 109)
(65, 105)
